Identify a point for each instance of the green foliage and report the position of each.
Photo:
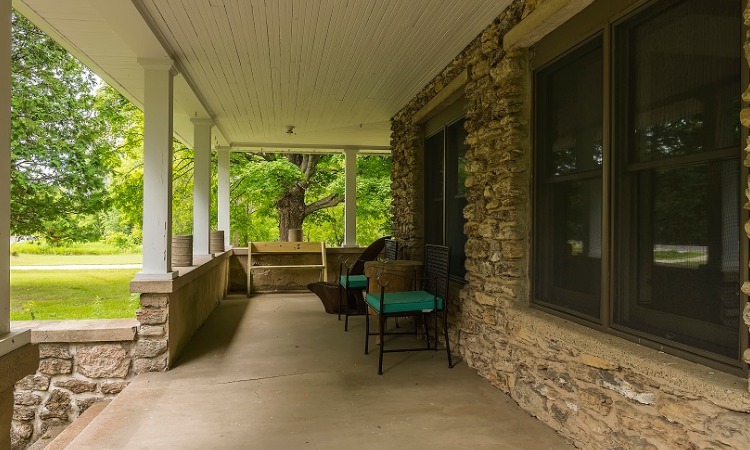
(258, 182)
(60, 153)
(373, 198)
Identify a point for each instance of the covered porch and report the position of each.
(276, 372)
(467, 73)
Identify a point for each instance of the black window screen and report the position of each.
(445, 192)
(678, 178)
(434, 187)
(568, 232)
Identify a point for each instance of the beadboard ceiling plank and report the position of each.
(336, 70)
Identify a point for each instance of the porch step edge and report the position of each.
(72, 431)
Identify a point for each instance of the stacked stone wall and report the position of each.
(597, 390)
(171, 311)
(70, 378)
(153, 334)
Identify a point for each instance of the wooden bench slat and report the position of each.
(285, 247)
(264, 248)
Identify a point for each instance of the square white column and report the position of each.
(223, 154)
(157, 170)
(201, 186)
(5, 81)
(350, 197)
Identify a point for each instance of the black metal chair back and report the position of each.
(436, 268)
(369, 254)
(391, 250)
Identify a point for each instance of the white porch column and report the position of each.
(223, 181)
(201, 185)
(350, 197)
(4, 166)
(157, 170)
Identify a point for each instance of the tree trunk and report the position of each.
(291, 210)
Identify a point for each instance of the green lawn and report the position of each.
(71, 294)
(25, 259)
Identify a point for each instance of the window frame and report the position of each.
(600, 20)
(440, 124)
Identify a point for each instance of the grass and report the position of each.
(676, 254)
(25, 259)
(41, 247)
(72, 294)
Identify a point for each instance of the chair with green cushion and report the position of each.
(351, 276)
(427, 303)
(390, 251)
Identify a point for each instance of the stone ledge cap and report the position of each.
(90, 330)
(542, 21)
(723, 389)
(186, 276)
(13, 340)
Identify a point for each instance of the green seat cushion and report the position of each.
(355, 281)
(395, 302)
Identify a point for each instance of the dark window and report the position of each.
(434, 191)
(678, 141)
(569, 182)
(445, 192)
(670, 149)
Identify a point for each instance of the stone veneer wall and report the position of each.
(597, 390)
(71, 376)
(172, 311)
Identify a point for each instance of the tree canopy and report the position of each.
(60, 154)
(77, 155)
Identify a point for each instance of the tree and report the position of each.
(269, 193)
(298, 185)
(59, 152)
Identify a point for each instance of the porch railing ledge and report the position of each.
(79, 331)
(14, 340)
(242, 251)
(186, 276)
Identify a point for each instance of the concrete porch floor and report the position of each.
(276, 372)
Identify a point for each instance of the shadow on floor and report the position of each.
(231, 314)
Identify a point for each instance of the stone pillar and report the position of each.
(5, 8)
(157, 170)
(201, 186)
(13, 367)
(350, 198)
(223, 181)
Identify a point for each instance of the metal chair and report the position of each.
(352, 278)
(426, 303)
(391, 250)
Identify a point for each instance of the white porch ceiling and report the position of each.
(335, 70)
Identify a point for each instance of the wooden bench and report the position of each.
(266, 248)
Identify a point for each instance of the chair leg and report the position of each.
(367, 330)
(382, 344)
(340, 302)
(447, 344)
(436, 330)
(426, 331)
(346, 303)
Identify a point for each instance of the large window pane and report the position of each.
(568, 223)
(677, 253)
(455, 201)
(434, 179)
